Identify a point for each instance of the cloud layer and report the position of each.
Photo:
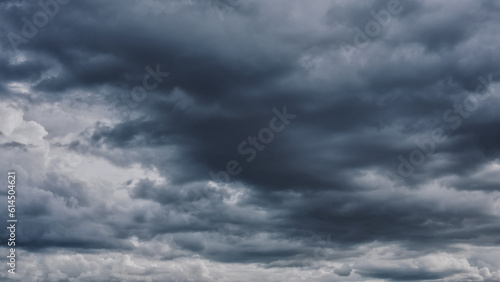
(151, 141)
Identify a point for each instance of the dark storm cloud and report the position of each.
(404, 274)
(226, 76)
(54, 217)
(12, 145)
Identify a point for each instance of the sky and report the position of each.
(251, 140)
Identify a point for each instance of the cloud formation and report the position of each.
(118, 185)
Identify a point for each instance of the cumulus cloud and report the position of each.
(344, 270)
(387, 171)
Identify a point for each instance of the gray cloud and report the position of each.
(113, 181)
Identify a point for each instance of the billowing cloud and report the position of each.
(252, 140)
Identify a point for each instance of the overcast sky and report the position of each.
(252, 140)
